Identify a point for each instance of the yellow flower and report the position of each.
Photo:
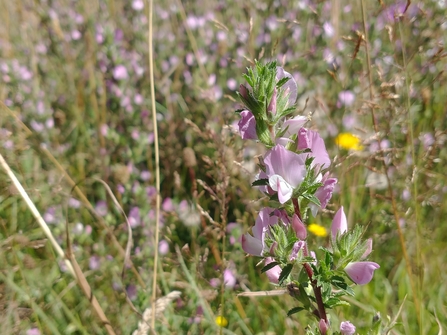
(317, 230)
(221, 321)
(348, 141)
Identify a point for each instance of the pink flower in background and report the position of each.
(120, 72)
(33, 331)
(345, 98)
(361, 272)
(285, 171)
(134, 217)
(137, 5)
(163, 247)
(247, 126)
(229, 278)
(347, 328)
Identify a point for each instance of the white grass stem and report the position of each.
(157, 163)
(36, 213)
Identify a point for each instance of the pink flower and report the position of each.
(324, 193)
(290, 87)
(120, 72)
(274, 272)
(254, 245)
(308, 139)
(247, 126)
(293, 125)
(297, 246)
(347, 328)
(339, 224)
(229, 278)
(285, 171)
(361, 272)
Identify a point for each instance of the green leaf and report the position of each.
(282, 81)
(285, 273)
(295, 310)
(260, 182)
(269, 266)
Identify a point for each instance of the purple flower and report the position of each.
(361, 272)
(324, 193)
(274, 272)
(254, 245)
(299, 227)
(285, 171)
(308, 139)
(247, 126)
(339, 224)
(347, 328)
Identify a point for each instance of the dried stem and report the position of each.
(157, 163)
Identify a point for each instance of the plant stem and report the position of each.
(313, 282)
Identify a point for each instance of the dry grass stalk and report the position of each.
(160, 306)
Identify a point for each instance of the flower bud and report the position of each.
(272, 105)
(347, 328)
(322, 325)
(299, 228)
(339, 224)
(243, 91)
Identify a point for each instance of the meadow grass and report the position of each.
(76, 106)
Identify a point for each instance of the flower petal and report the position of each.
(285, 191)
(251, 245)
(247, 126)
(361, 272)
(287, 164)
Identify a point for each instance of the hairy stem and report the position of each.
(308, 269)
